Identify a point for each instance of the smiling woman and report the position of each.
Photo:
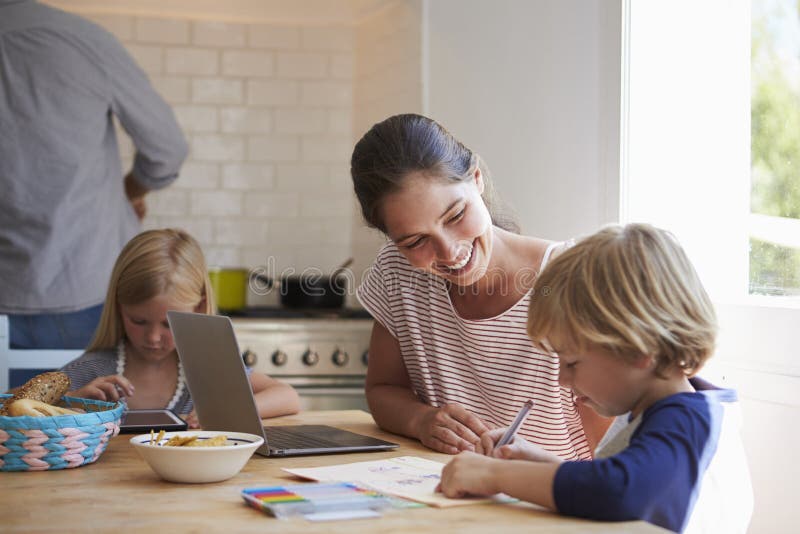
(449, 355)
(456, 244)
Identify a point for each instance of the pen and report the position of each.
(509, 435)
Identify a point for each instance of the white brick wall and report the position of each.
(217, 91)
(273, 93)
(192, 61)
(210, 33)
(268, 111)
(158, 30)
(387, 80)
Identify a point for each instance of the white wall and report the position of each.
(533, 87)
(267, 109)
(272, 95)
(388, 81)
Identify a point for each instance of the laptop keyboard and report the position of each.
(279, 438)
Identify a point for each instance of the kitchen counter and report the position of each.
(120, 493)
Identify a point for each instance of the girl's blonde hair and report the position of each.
(630, 290)
(157, 262)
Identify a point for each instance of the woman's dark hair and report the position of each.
(404, 144)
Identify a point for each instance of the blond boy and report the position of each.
(631, 323)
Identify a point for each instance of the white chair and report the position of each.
(13, 359)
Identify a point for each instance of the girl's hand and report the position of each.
(517, 449)
(192, 421)
(451, 429)
(469, 474)
(108, 388)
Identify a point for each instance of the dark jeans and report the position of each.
(71, 330)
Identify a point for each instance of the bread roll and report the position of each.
(36, 408)
(46, 387)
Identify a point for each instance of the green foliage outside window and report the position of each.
(775, 141)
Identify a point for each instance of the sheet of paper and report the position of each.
(408, 477)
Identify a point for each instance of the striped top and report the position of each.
(91, 365)
(487, 365)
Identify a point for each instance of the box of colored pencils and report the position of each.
(303, 499)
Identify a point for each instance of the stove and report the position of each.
(279, 312)
(323, 354)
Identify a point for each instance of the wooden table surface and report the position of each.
(120, 493)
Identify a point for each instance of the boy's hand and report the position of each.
(516, 449)
(451, 429)
(468, 474)
(108, 388)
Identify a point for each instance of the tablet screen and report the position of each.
(146, 420)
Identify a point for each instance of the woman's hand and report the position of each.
(516, 449)
(108, 388)
(451, 429)
(469, 474)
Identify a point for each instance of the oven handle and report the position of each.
(328, 392)
(336, 382)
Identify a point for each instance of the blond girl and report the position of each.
(132, 355)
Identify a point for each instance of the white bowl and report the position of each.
(197, 464)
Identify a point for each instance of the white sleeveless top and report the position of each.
(487, 365)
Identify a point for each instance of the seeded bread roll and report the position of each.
(46, 387)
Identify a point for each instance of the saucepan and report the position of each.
(309, 289)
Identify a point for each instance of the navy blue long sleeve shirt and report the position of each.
(660, 475)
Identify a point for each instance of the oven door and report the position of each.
(329, 392)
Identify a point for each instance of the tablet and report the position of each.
(143, 421)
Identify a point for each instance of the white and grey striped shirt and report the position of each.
(91, 365)
(488, 365)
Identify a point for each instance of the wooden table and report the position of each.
(120, 493)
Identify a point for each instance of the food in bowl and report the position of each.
(209, 462)
(193, 441)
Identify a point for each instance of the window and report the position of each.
(774, 229)
(687, 166)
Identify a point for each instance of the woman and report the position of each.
(449, 355)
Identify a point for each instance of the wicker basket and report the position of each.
(59, 442)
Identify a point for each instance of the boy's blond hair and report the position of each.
(156, 262)
(630, 290)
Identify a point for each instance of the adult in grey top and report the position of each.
(65, 210)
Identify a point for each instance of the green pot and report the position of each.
(230, 287)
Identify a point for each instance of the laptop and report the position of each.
(223, 399)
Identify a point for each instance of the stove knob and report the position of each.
(365, 358)
(340, 357)
(279, 358)
(310, 358)
(250, 358)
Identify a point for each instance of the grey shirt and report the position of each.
(64, 216)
